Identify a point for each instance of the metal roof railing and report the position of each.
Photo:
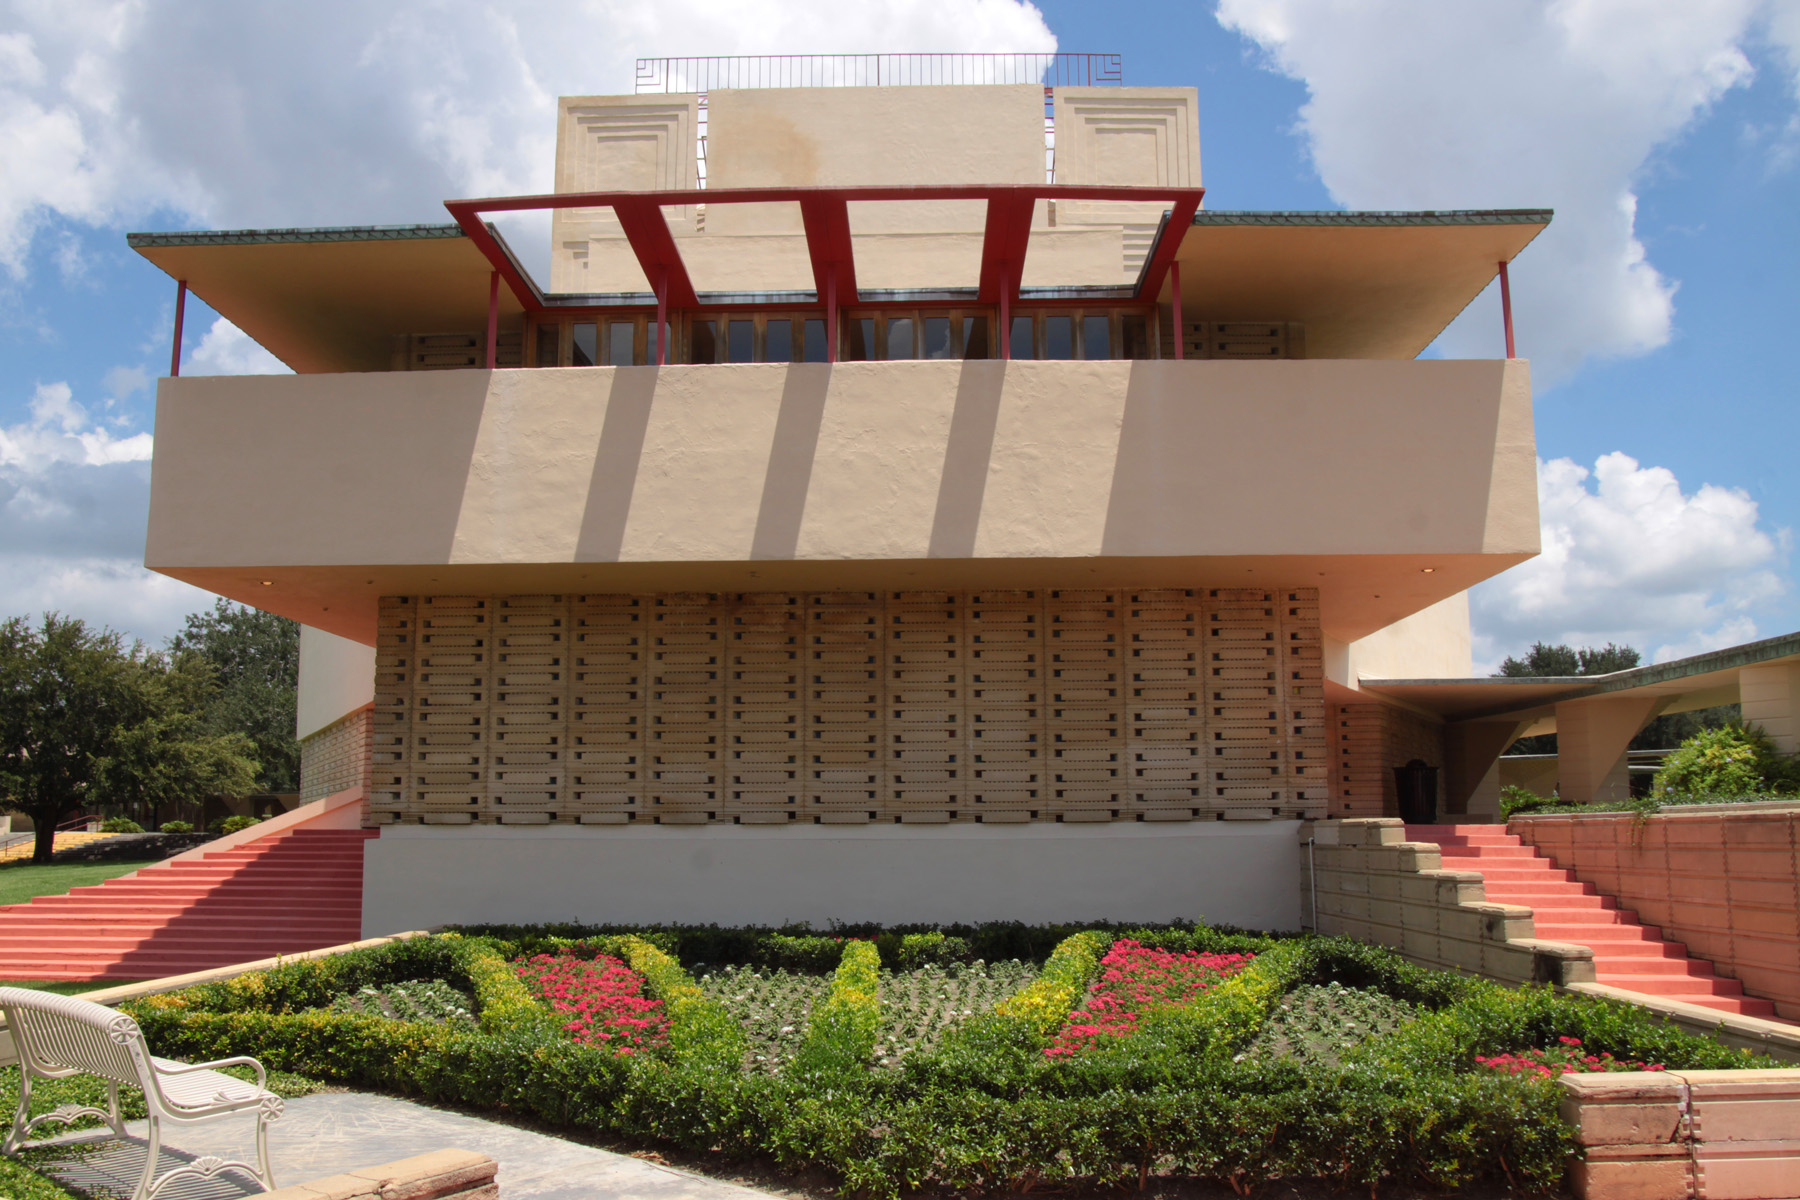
(876, 70)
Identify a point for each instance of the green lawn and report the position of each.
(28, 880)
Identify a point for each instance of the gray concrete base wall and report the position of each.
(1237, 872)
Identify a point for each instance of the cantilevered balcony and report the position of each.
(1388, 484)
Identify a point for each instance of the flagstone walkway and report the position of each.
(324, 1134)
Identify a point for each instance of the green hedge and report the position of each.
(840, 1037)
(985, 1109)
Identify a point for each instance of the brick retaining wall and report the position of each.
(1724, 880)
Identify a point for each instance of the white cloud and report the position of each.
(228, 350)
(114, 592)
(1636, 560)
(1551, 103)
(60, 431)
(73, 500)
(335, 112)
(122, 383)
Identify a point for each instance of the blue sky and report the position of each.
(1656, 310)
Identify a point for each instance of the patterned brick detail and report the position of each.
(336, 757)
(850, 707)
(1369, 741)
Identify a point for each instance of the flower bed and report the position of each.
(1567, 1057)
(1134, 979)
(1177, 1094)
(602, 997)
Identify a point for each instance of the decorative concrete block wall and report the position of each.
(1367, 742)
(1671, 1135)
(1363, 880)
(850, 707)
(1724, 880)
(336, 758)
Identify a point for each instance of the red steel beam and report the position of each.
(827, 220)
(825, 212)
(493, 330)
(1181, 219)
(180, 314)
(657, 254)
(1506, 311)
(1003, 246)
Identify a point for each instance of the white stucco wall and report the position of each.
(1241, 873)
(337, 677)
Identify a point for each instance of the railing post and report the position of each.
(1506, 310)
(1004, 333)
(1175, 297)
(831, 314)
(180, 315)
(662, 316)
(493, 330)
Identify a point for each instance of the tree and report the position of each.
(256, 657)
(171, 756)
(83, 717)
(1565, 661)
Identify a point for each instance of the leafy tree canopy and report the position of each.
(84, 720)
(256, 658)
(1564, 661)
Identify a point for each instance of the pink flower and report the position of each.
(1134, 979)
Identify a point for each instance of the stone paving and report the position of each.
(324, 1134)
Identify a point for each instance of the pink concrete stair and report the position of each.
(1627, 954)
(277, 895)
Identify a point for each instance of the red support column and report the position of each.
(180, 315)
(493, 342)
(831, 314)
(662, 316)
(1506, 310)
(1175, 297)
(1004, 333)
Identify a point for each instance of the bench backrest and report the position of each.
(60, 1033)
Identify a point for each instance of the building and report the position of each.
(906, 502)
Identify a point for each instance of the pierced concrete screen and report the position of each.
(850, 707)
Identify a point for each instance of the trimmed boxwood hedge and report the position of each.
(985, 1109)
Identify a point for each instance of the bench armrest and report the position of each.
(262, 1077)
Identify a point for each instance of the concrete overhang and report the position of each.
(327, 300)
(1702, 681)
(1364, 284)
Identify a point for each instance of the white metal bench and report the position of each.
(60, 1036)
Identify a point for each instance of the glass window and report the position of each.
(1096, 337)
(650, 341)
(937, 337)
(815, 339)
(900, 337)
(975, 338)
(1134, 335)
(549, 338)
(587, 344)
(621, 343)
(778, 338)
(1022, 346)
(743, 342)
(703, 342)
(1059, 337)
(861, 340)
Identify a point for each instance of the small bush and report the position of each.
(1732, 760)
(226, 826)
(177, 827)
(1515, 799)
(120, 825)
